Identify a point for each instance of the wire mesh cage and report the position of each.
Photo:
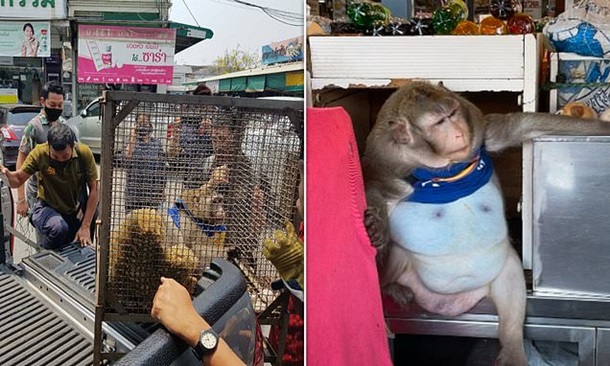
(186, 179)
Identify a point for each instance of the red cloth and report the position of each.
(345, 324)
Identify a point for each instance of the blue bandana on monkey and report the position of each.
(450, 184)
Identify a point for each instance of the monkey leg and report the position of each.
(508, 293)
(391, 270)
(402, 295)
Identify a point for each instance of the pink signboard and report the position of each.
(125, 55)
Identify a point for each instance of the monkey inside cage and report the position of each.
(186, 179)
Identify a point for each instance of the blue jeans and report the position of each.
(56, 229)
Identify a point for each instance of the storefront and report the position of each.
(32, 35)
(281, 79)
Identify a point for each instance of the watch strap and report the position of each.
(199, 350)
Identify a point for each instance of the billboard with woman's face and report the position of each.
(25, 39)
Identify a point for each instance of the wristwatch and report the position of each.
(208, 341)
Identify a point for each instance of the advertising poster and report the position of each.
(289, 50)
(125, 55)
(25, 39)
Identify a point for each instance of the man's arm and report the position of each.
(26, 145)
(131, 144)
(173, 308)
(84, 233)
(15, 179)
(174, 147)
(22, 202)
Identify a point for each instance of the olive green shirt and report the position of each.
(61, 188)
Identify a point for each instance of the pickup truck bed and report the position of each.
(46, 309)
(34, 331)
(46, 314)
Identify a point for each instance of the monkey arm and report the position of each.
(376, 218)
(509, 130)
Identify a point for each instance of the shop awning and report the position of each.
(186, 35)
(189, 35)
(278, 78)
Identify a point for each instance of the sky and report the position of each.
(233, 25)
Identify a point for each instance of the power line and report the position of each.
(190, 12)
(230, 4)
(280, 20)
(282, 16)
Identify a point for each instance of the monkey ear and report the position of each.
(442, 86)
(400, 130)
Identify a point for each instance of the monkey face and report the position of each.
(447, 132)
(428, 126)
(205, 204)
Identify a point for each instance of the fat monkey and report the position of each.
(435, 210)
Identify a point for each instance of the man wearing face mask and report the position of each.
(190, 142)
(34, 133)
(145, 164)
(66, 169)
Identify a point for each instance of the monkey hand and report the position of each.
(377, 229)
(286, 253)
(219, 175)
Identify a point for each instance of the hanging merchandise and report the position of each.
(583, 29)
(366, 15)
(520, 23)
(444, 20)
(541, 23)
(502, 9)
(466, 27)
(458, 8)
(493, 26)
(398, 28)
(421, 26)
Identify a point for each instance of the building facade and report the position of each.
(56, 25)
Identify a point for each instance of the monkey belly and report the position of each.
(457, 246)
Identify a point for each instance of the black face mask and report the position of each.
(143, 131)
(53, 113)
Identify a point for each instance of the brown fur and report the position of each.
(423, 125)
(139, 253)
(206, 205)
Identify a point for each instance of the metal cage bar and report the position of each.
(185, 179)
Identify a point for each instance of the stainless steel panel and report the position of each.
(603, 347)
(571, 201)
(583, 336)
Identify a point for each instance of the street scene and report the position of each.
(152, 183)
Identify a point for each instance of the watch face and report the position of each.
(208, 340)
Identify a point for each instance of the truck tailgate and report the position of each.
(34, 333)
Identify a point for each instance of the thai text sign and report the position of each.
(8, 96)
(125, 55)
(284, 51)
(33, 9)
(25, 39)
